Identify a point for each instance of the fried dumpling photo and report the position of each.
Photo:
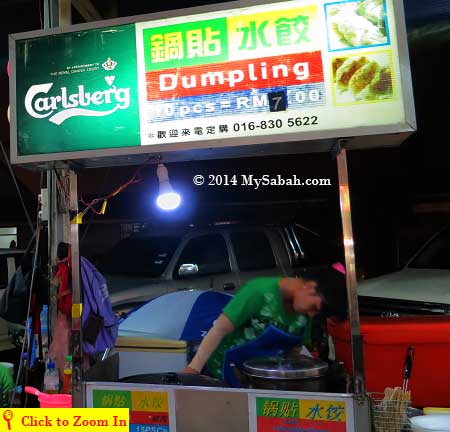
(347, 69)
(362, 79)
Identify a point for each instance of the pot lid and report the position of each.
(285, 367)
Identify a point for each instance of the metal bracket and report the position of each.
(337, 147)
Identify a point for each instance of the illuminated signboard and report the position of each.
(275, 414)
(285, 71)
(149, 410)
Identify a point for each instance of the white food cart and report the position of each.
(228, 80)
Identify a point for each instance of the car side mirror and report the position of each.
(188, 270)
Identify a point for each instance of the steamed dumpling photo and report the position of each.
(358, 23)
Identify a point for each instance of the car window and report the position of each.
(436, 255)
(140, 256)
(253, 250)
(209, 252)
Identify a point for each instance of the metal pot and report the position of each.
(172, 378)
(296, 373)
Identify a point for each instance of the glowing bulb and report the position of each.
(168, 201)
(167, 198)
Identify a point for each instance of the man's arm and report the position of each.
(210, 342)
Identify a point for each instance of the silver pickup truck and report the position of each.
(219, 257)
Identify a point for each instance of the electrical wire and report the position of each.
(89, 223)
(27, 215)
(136, 178)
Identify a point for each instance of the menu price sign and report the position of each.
(295, 67)
(149, 410)
(283, 71)
(300, 415)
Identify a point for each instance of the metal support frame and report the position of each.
(59, 13)
(61, 227)
(64, 12)
(352, 293)
(76, 336)
(50, 13)
(56, 13)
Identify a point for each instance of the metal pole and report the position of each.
(58, 231)
(76, 339)
(51, 15)
(47, 7)
(64, 12)
(352, 293)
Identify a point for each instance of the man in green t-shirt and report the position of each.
(288, 304)
(6, 384)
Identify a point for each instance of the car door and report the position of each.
(208, 254)
(254, 255)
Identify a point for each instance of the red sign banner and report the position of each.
(265, 72)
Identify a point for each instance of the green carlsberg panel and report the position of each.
(81, 96)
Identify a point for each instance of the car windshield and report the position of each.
(143, 256)
(436, 255)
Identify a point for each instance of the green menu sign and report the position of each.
(77, 91)
(190, 44)
(112, 399)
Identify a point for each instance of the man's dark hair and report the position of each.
(332, 287)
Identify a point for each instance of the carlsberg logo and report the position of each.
(69, 105)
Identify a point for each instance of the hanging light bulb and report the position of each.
(167, 199)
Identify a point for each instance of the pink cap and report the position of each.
(338, 267)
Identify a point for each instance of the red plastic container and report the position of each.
(386, 341)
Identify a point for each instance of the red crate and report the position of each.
(386, 341)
